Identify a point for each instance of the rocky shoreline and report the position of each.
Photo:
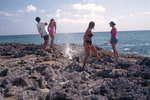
(28, 73)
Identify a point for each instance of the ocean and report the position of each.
(130, 42)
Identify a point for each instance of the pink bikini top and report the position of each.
(115, 33)
(51, 25)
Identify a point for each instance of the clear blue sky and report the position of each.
(18, 16)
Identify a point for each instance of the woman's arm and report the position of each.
(84, 38)
(112, 35)
(55, 26)
(86, 35)
(48, 27)
(113, 32)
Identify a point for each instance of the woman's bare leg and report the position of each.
(52, 39)
(95, 51)
(115, 50)
(87, 52)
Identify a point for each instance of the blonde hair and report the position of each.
(91, 24)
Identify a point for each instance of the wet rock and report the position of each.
(124, 64)
(56, 96)
(60, 96)
(85, 76)
(148, 97)
(6, 84)
(49, 96)
(41, 82)
(85, 93)
(104, 90)
(22, 62)
(33, 95)
(1, 97)
(28, 67)
(56, 66)
(116, 74)
(47, 58)
(38, 60)
(32, 88)
(96, 97)
(17, 55)
(77, 59)
(41, 53)
(108, 59)
(40, 69)
(145, 61)
(96, 66)
(146, 75)
(105, 73)
(74, 67)
(19, 82)
(33, 74)
(4, 72)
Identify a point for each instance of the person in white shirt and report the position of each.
(41, 27)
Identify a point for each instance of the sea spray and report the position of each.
(69, 52)
(72, 51)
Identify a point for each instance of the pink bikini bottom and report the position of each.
(51, 30)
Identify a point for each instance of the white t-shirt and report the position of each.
(42, 29)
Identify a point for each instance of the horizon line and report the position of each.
(71, 33)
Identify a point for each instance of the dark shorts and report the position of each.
(114, 40)
(89, 42)
(46, 37)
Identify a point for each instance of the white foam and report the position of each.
(145, 44)
(126, 49)
(69, 52)
(128, 45)
(134, 52)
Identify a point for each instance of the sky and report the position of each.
(73, 16)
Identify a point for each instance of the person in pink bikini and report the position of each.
(51, 31)
(113, 39)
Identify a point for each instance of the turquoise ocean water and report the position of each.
(137, 42)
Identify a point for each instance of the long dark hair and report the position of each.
(91, 24)
(112, 23)
(52, 20)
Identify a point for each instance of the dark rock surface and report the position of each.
(28, 73)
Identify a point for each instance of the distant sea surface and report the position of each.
(130, 42)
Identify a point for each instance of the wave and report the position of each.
(126, 49)
(144, 44)
(128, 45)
